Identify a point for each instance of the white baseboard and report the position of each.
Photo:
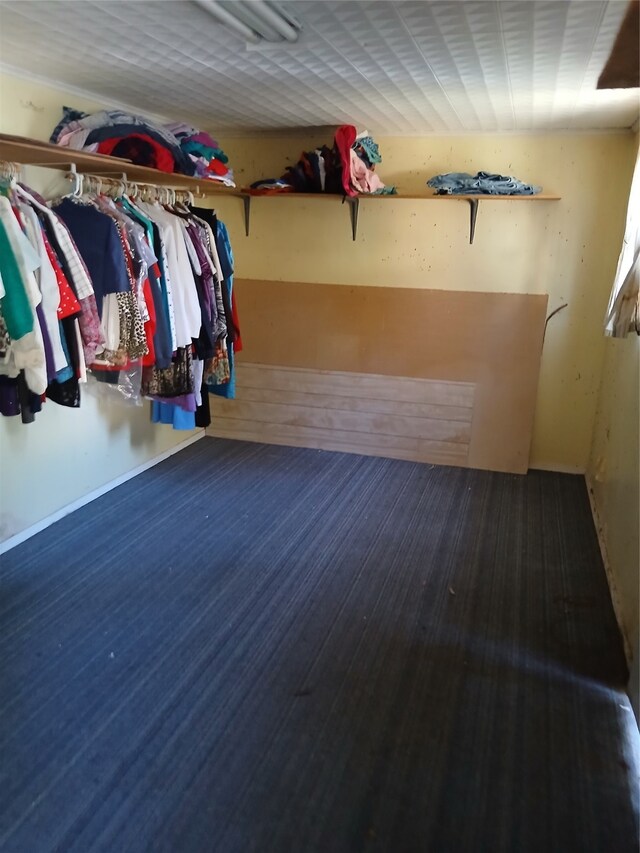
(28, 532)
(613, 590)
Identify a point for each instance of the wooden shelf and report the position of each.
(434, 197)
(31, 152)
(410, 197)
(354, 203)
(314, 196)
(472, 200)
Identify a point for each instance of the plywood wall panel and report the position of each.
(480, 352)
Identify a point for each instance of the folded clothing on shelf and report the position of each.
(482, 183)
(168, 148)
(205, 153)
(347, 167)
(270, 186)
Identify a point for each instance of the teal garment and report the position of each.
(136, 214)
(200, 150)
(225, 254)
(16, 308)
(370, 148)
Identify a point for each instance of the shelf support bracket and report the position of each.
(473, 213)
(354, 210)
(246, 200)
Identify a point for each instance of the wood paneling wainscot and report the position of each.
(447, 377)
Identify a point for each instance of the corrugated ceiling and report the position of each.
(393, 67)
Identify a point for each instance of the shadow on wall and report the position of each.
(124, 417)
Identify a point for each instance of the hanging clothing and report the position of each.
(136, 294)
(41, 340)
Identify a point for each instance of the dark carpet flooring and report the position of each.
(253, 648)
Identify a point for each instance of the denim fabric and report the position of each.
(483, 183)
(167, 413)
(225, 254)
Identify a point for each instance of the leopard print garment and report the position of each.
(132, 337)
(5, 340)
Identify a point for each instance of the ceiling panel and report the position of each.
(392, 67)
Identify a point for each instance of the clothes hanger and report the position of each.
(179, 205)
(9, 174)
(77, 178)
(79, 187)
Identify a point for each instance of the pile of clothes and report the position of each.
(348, 168)
(168, 148)
(205, 153)
(316, 171)
(482, 183)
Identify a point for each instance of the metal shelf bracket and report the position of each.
(354, 210)
(246, 201)
(473, 215)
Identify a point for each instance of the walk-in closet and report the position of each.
(319, 426)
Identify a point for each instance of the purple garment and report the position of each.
(206, 340)
(207, 272)
(9, 401)
(204, 139)
(46, 340)
(202, 167)
(185, 401)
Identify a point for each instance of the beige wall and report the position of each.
(614, 482)
(567, 249)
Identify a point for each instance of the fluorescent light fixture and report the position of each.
(254, 20)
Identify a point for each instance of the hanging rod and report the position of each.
(97, 182)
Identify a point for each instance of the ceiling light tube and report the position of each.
(285, 13)
(213, 7)
(244, 13)
(264, 11)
